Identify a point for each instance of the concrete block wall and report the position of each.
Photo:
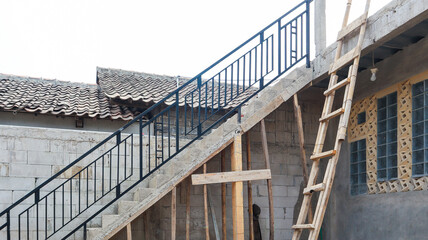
(287, 180)
(29, 156)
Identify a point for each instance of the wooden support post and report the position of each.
(146, 222)
(223, 197)
(269, 181)
(173, 212)
(189, 185)
(128, 232)
(207, 224)
(250, 190)
(298, 115)
(237, 190)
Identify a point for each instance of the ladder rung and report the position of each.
(352, 26)
(337, 86)
(323, 155)
(303, 226)
(332, 115)
(342, 61)
(314, 188)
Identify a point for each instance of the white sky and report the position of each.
(67, 39)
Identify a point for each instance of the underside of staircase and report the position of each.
(188, 161)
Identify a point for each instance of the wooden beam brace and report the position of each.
(173, 213)
(188, 187)
(128, 232)
(223, 197)
(250, 190)
(207, 224)
(269, 181)
(236, 176)
(237, 190)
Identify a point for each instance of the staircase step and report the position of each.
(323, 155)
(158, 180)
(303, 226)
(352, 26)
(142, 193)
(93, 232)
(331, 115)
(109, 219)
(337, 86)
(314, 188)
(124, 206)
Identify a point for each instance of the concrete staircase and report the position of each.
(193, 157)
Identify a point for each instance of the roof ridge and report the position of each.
(143, 74)
(46, 80)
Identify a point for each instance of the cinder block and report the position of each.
(32, 144)
(25, 170)
(45, 158)
(18, 183)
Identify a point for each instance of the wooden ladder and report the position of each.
(324, 188)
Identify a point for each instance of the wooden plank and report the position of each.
(188, 188)
(235, 176)
(173, 213)
(323, 155)
(314, 188)
(299, 120)
(128, 232)
(352, 26)
(269, 181)
(237, 190)
(333, 114)
(250, 190)
(303, 226)
(213, 218)
(223, 198)
(338, 85)
(146, 223)
(345, 59)
(207, 224)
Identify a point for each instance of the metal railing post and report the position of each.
(261, 61)
(177, 127)
(141, 148)
(199, 105)
(308, 38)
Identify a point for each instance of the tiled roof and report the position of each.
(57, 98)
(152, 88)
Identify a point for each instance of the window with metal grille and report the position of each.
(358, 167)
(387, 137)
(420, 129)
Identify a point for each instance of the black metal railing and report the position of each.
(75, 195)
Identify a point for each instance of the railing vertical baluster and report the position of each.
(169, 133)
(54, 208)
(225, 87)
(28, 225)
(102, 176)
(84, 232)
(243, 74)
(149, 146)
(124, 171)
(237, 78)
(219, 97)
(19, 228)
(212, 96)
(271, 54)
(231, 81)
(279, 47)
(301, 36)
(249, 71)
(95, 181)
(46, 216)
(8, 225)
(162, 136)
(285, 47)
(37, 220)
(308, 63)
(206, 101)
(192, 114)
(261, 60)
(118, 164)
(255, 64)
(71, 199)
(141, 147)
(111, 174)
(185, 112)
(79, 196)
(177, 117)
(132, 154)
(87, 187)
(199, 104)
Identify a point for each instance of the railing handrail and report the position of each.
(176, 93)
